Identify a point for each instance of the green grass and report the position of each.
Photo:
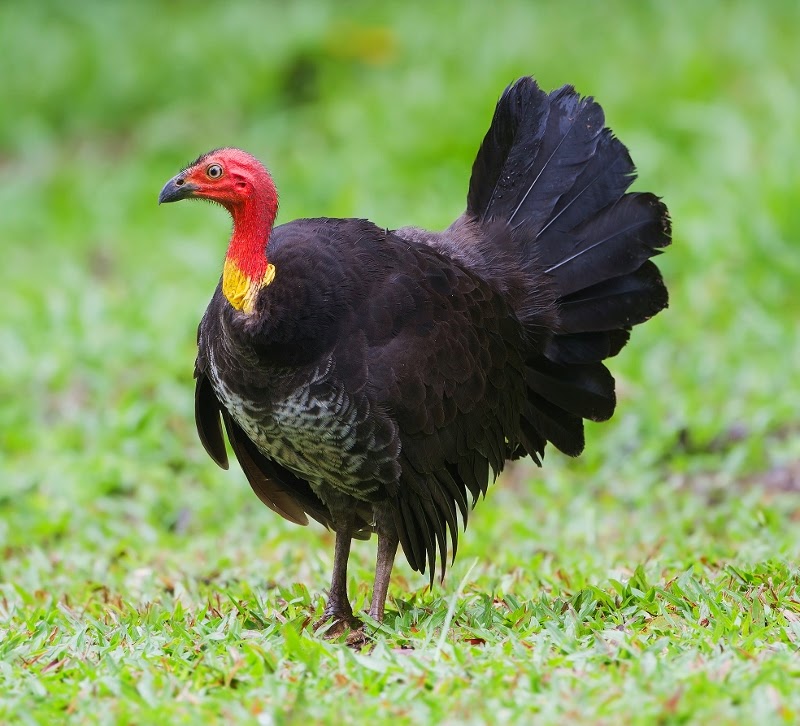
(653, 580)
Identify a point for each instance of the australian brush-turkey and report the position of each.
(377, 380)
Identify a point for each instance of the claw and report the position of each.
(340, 622)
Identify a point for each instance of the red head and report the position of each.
(241, 184)
(230, 177)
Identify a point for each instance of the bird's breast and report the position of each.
(306, 423)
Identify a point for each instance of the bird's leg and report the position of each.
(338, 603)
(338, 607)
(387, 549)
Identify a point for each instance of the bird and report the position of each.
(378, 380)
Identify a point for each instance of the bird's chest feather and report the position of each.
(307, 423)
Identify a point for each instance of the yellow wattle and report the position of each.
(240, 289)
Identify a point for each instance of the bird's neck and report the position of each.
(246, 270)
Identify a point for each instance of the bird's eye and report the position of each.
(214, 171)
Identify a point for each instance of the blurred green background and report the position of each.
(377, 110)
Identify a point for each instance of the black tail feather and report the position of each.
(563, 429)
(584, 390)
(604, 179)
(583, 348)
(614, 242)
(558, 178)
(620, 302)
(538, 154)
(522, 107)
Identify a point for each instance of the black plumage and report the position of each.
(383, 378)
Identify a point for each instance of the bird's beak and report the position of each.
(176, 189)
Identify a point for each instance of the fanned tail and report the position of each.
(556, 178)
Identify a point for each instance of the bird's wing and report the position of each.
(443, 354)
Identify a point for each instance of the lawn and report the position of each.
(655, 579)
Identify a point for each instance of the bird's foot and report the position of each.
(340, 622)
(357, 639)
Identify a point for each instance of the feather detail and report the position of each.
(208, 421)
(616, 241)
(569, 141)
(584, 390)
(265, 488)
(618, 303)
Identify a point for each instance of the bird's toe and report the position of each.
(337, 623)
